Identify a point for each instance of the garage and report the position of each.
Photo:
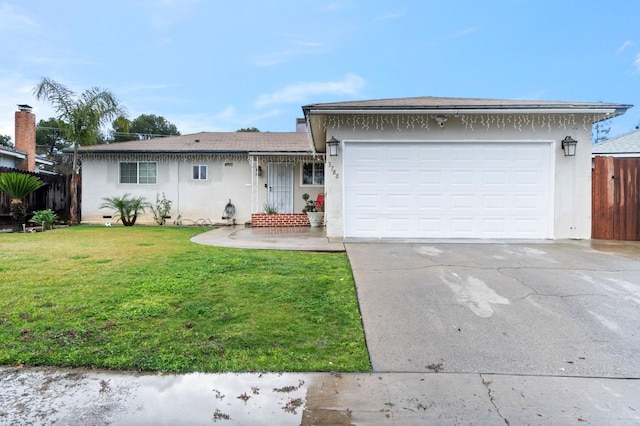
(448, 189)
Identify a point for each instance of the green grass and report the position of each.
(146, 298)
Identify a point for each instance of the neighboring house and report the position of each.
(627, 145)
(199, 173)
(15, 159)
(457, 168)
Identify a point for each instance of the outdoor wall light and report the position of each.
(569, 146)
(332, 146)
(441, 119)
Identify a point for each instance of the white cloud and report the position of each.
(334, 6)
(390, 16)
(295, 47)
(636, 62)
(168, 13)
(10, 18)
(625, 45)
(350, 85)
(274, 58)
(226, 114)
(465, 31)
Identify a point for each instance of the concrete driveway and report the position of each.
(550, 308)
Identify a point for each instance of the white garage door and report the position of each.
(448, 190)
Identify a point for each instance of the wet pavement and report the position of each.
(302, 238)
(81, 397)
(556, 308)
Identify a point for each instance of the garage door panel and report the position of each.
(399, 178)
(396, 202)
(429, 225)
(368, 201)
(439, 190)
(462, 177)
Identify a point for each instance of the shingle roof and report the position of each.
(629, 143)
(430, 102)
(211, 142)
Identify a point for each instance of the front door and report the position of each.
(280, 186)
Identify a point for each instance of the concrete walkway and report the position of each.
(458, 334)
(301, 238)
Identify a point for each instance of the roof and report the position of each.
(629, 143)
(10, 152)
(467, 104)
(210, 142)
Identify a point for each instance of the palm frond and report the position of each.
(19, 185)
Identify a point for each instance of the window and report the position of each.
(141, 172)
(313, 174)
(199, 173)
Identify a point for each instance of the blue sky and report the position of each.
(209, 65)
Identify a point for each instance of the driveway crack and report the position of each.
(487, 384)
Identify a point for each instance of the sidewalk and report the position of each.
(71, 397)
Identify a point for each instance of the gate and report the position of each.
(616, 199)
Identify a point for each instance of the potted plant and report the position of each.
(313, 211)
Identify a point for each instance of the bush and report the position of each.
(128, 208)
(161, 209)
(270, 208)
(44, 217)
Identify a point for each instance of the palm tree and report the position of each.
(81, 118)
(17, 186)
(127, 208)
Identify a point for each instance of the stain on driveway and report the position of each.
(549, 308)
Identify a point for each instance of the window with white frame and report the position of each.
(312, 173)
(139, 172)
(199, 172)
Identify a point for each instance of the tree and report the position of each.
(127, 207)
(601, 130)
(5, 140)
(50, 142)
(145, 126)
(17, 186)
(80, 118)
(49, 139)
(248, 129)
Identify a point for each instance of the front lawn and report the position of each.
(146, 298)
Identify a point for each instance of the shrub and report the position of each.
(44, 217)
(270, 208)
(128, 208)
(17, 186)
(161, 209)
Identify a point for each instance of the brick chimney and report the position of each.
(26, 136)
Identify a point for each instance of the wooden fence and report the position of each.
(54, 195)
(616, 199)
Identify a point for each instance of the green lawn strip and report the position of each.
(146, 298)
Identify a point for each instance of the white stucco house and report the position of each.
(199, 173)
(432, 167)
(426, 167)
(623, 146)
